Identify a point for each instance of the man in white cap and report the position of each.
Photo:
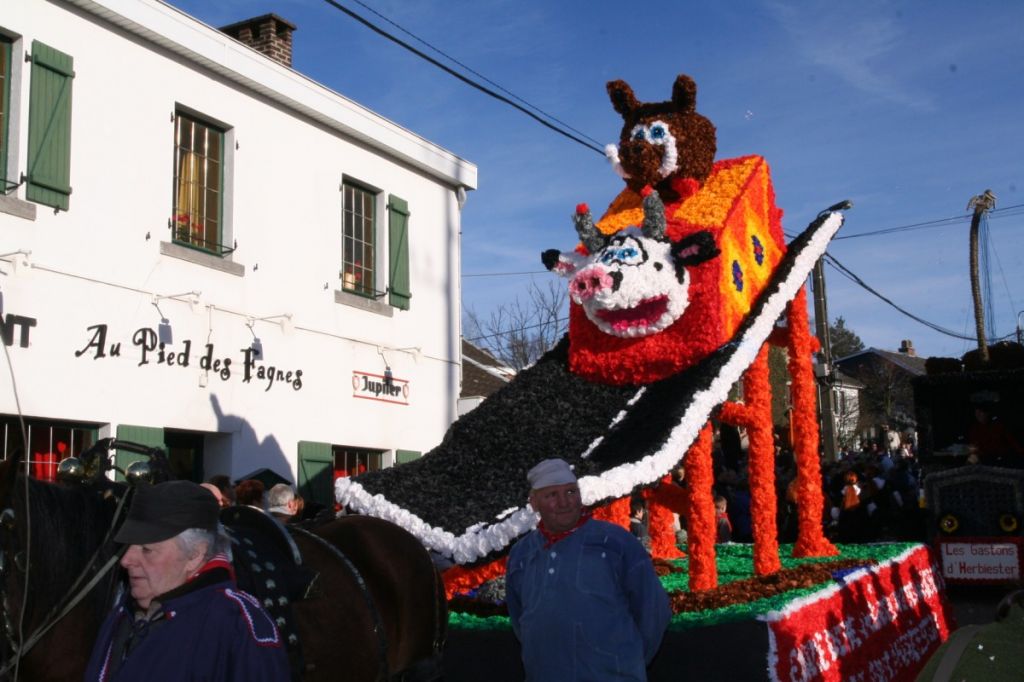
(582, 594)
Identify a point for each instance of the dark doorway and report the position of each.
(185, 454)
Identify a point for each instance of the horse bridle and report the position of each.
(75, 594)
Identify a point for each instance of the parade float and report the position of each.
(676, 293)
(974, 500)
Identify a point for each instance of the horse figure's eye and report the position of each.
(658, 132)
(638, 133)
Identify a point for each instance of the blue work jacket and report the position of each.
(208, 631)
(587, 608)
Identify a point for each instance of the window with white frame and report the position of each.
(375, 261)
(197, 219)
(359, 240)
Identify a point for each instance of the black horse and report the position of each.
(378, 611)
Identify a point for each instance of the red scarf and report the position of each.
(551, 538)
(218, 561)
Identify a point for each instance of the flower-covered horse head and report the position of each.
(635, 282)
(667, 145)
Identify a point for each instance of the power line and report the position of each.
(843, 270)
(476, 73)
(465, 79)
(557, 322)
(940, 222)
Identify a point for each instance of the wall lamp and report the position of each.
(17, 263)
(284, 320)
(190, 297)
(163, 331)
(256, 346)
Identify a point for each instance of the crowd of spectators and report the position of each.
(871, 494)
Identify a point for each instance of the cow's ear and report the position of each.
(550, 258)
(695, 248)
(563, 264)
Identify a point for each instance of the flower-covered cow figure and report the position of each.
(677, 291)
(635, 282)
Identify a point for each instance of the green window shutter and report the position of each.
(398, 248)
(49, 127)
(5, 108)
(143, 435)
(403, 456)
(316, 472)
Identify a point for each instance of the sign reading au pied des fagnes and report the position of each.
(150, 351)
(369, 386)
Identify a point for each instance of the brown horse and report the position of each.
(378, 611)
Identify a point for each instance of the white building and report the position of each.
(175, 201)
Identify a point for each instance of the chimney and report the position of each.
(907, 348)
(269, 34)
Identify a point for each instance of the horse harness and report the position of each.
(71, 598)
(269, 566)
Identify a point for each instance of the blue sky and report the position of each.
(906, 108)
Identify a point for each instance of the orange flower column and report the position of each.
(662, 502)
(701, 520)
(811, 540)
(755, 415)
(757, 396)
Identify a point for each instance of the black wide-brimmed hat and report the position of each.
(159, 512)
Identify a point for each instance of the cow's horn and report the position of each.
(654, 216)
(588, 232)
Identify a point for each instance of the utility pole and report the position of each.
(825, 371)
(981, 204)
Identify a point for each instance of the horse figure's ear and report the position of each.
(8, 475)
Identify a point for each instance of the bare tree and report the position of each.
(518, 333)
(888, 396)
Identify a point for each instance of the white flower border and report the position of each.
(481, 539)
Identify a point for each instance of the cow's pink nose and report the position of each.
(589, 282)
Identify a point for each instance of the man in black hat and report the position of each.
(184, 617)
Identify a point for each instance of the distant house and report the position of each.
(887, 396)
(846, 391)
(482, 375)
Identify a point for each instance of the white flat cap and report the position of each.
(550, 472)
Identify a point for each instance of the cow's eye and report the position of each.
(628, 253)
(658, 132)
(607, 257)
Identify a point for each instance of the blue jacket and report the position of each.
(208, 630)
(590, 607)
